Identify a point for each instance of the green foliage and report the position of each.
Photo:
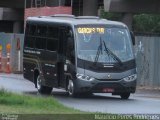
(110, 16)
(146, 23)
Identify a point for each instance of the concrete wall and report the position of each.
(11, 20)
(132, 6)
(44, 11)
(12, 3)
(90, 7)
(13, 14)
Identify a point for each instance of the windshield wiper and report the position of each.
(99, 50)
(110, 53)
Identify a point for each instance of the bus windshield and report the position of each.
(103, 44)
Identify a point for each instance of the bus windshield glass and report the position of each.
(104, 44)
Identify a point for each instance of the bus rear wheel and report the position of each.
(125, 96)
(42, 89)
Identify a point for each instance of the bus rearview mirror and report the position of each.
(132, 37)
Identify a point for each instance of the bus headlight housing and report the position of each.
(84, 77)
(130, 78)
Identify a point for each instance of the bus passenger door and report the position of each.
(61, 58)
(50, 71)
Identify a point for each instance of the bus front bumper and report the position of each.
(97, 86)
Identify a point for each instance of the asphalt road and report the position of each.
(140, 103)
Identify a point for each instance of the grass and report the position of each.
(40, 108)
(24, 104)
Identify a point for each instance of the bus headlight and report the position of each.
(130, 78)
(84, 77)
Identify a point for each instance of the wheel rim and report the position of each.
(70, 87)
(38, 83)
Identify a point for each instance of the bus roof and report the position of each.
(71, 19)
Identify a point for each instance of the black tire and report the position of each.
(125, 96)
(42, 89)
(72, 89)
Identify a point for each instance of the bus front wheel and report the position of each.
(125, 96)
(71, 89)
(42, 89)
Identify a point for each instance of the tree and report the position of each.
(146, 23)
(143, 23)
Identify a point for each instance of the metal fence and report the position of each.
(14, 40)
(147, 52)
(16, 53)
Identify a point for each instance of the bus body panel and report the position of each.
(49, 63)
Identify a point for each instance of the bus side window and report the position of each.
(30, 42)
(53, 32)
(41, 37)
(29, 36)
(41, 31)
(40, 43)
(32, 30)
(52, 44)
(52, 38)
(70, 46)
(26, 35)
(27, 29)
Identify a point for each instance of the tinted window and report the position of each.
(29, 41)
(29, 38)
(40, 37)
(53, 32)
(40, 43)
(32, 29)
(41, 31)
(52, 44)
(27, 29)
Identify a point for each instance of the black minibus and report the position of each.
(84, 54)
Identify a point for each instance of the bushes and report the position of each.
(145, 23)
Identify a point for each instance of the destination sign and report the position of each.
(91, 30)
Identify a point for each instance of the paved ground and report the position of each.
(144, 101)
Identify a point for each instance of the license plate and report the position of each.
(108, 90)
